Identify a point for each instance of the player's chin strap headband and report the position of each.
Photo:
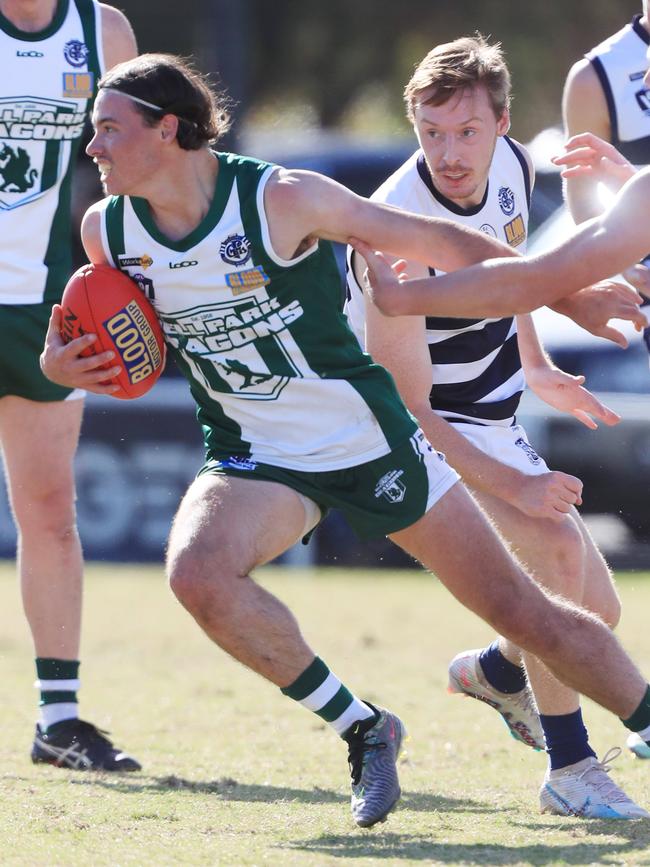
(147, 104)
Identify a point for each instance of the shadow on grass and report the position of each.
(225, 788)
(231, 790)
(379, 844)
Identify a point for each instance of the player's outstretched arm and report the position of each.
(600, 248)
(304, 206)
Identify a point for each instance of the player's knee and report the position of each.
(600, 594)
(47, 514)
(565, 555)
(199, 580)
(186, 578)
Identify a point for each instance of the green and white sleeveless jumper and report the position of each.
(48, 83)
(278, 376)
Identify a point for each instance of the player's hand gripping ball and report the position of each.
(101, 300)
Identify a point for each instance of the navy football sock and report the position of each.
(500, 672)
(567, 741)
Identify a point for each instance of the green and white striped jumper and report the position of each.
(276, 373)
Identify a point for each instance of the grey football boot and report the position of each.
(374, 747)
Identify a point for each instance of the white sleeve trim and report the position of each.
(266, 235)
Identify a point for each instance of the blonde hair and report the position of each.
(455, 66)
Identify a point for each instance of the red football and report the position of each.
(101, 300)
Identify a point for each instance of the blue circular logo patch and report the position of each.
(235, 250)
(75, 52)
(507, 201)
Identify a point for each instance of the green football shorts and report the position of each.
(377, 498)
(23, 328)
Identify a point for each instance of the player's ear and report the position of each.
(168, 127)
(503, 123)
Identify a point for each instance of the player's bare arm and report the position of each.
(118, 40)
(91, 236)
(303, 206)
(584, 108)
(500, 287)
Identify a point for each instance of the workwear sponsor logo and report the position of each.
(135, 261)
(515, 231)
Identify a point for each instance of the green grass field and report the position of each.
(235, 774)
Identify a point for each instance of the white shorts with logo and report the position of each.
(509, 445)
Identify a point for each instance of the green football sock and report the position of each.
(322, 692)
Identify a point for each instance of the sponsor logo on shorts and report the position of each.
(528, 450)
(135, 261)
(78, 85)
(75, 52)
(515, 231)
(245, 281)
(506, 201)
(235, 250)
(390, 487)
(235, 463)
(135, 341)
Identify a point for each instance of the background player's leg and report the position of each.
(555, 554)
(39, 441)
(578, 648)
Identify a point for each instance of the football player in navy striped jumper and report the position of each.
(462, 379)
(53, 53)
(605, 94)
(322, 425)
